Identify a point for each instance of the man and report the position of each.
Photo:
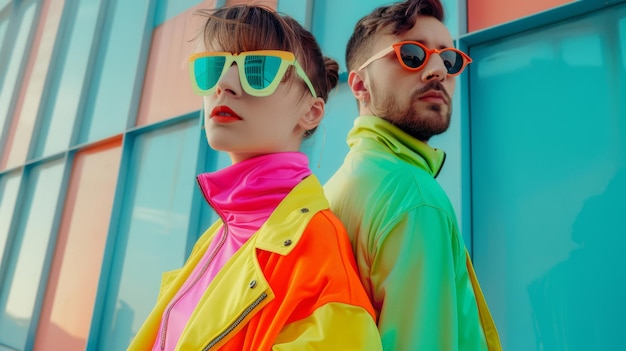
(411, 256)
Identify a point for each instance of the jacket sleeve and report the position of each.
(420, 285)
(333, 326)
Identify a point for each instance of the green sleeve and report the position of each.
(420, 285)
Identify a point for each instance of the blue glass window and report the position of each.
(119, 70)
(69, 83)
(153, 231)
(10, 84)
(9, 187)
(548, 178)
(18, 297)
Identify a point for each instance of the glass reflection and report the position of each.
(10, 81)
(18, 296)
(548, 181)
(576, 304)
(69, 85)
(9, 186)
(154, 227)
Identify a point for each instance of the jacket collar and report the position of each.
(285, 226)
(372, 131)
(283, 229)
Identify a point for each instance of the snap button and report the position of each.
(304, 210)
(287, 242)
(252, 284)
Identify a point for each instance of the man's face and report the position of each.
(417, 102)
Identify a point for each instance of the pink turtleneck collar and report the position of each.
(249, 191)
(244, 195)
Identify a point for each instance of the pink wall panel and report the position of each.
(486, 13)
(75, 272)
(29, 100)
(167, 90)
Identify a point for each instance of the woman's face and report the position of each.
(247, 126)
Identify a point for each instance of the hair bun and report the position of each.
(332, 72)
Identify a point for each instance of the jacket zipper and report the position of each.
(238, 321)
(206, 266)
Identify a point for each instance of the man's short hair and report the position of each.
(393, 19)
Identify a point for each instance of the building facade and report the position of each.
(101, 139)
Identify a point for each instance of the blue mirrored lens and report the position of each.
(207, 71)
(261, 70)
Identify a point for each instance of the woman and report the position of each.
(276, 272)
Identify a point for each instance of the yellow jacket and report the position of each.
(292, 286)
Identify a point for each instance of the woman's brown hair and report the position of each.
(247, 28)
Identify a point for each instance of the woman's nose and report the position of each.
(229, 82)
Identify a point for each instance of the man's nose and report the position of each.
(434, 69)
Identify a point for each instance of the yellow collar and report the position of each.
(283, 229)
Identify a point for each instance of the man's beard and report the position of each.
(422, 125)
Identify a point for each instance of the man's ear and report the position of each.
(314, 115)
(356, 81)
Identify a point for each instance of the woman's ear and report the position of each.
(314, 115)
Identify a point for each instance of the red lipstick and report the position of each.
(223, 114)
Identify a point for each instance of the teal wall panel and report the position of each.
(9, 187)
(26, 267)
(119, 69)
(548, 134)
(152, 234)
(167, 9)
(10, 81)
(6, 348)
(4, 23)
(452, 20)
(333, 22)
(300, 10)
(71, 77)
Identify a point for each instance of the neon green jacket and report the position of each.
(411, 257)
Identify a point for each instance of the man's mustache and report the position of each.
(432, 85)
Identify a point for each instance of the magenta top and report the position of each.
(243, 195)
